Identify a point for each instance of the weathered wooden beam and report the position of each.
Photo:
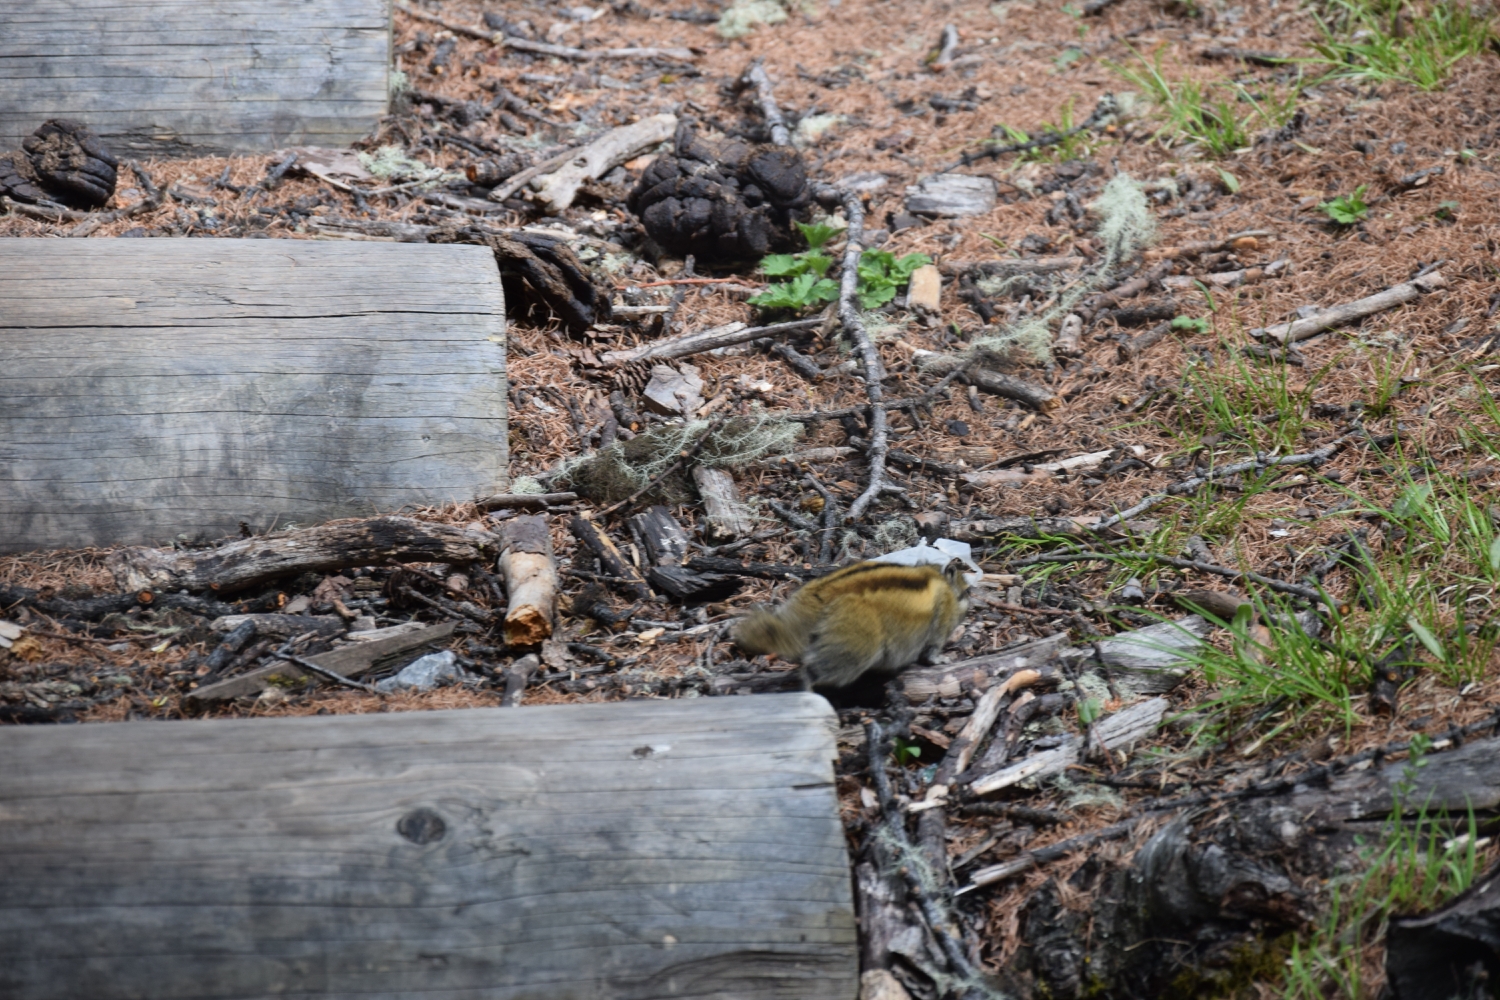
(155, 388)
(165, 78)
(638, 850)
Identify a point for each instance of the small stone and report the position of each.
(905, 220)
(958, 428)
(925, 290)
(673, 393)
(424, 673)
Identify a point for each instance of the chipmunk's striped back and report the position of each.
(870, 616)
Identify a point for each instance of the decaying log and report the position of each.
(524, 501)
(686, 344)
(547, 264)
(1153, 660)
(1287, 333)
(727, 516)
(249, 76)
(530, 580)
(1453, 951)
(662, 539)
(1221, 878)
(555, 191)
(237, 565)
(347, 661)
(575, 852)
(1035, 396)
(186, 387)
(612, 563)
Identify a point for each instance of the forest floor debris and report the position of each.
(1344, 485)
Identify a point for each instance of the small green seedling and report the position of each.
(1191, 324)
(905, 753)
(1348, 209)
(1447, 211)
(881, 273)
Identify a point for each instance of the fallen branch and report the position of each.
(524, 501)
(557, 190)
(756, 77)
(1256, 56)
(1226, 279)
(874, 371)
(687, 344)
(1035, 396)
(1106, 109)
(1256, 464)
(1248, 239)
(1011, 267)
(947, 45)
(543, 48)
(1296, 590)
(1392, 297)
(237, 565)
(530, 575)
(347, 661)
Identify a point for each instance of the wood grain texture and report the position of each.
(190, 77)
(151, 388)
(640, 850)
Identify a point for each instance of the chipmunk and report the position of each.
(871, 616)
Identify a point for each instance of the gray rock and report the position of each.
(951, 195)
(424, 674)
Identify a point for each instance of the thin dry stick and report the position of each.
(854, 211)
(1256, 464)
(284, 653)
(1296, 590)
(756, 77)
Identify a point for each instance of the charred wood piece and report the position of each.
(722, 202)
(547, 266)
(62, 161)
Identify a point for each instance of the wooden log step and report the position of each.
(157, 388)
(638, 850)
(173, 78)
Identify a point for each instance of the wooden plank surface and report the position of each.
(152, 388)
(189, 77)
(639, 850)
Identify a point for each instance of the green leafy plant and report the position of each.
(881, 273)
(1348, 209)
(1191, 325)
(905, 752)
(1378, 42)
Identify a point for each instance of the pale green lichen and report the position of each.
(1126, 226)
(391, 164)
(744, 16)
(526, 484)
(616, 472)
